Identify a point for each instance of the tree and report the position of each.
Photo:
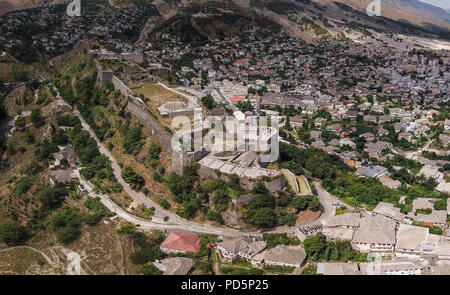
(145, 255)
(288, 123)
(208, 101)
(96, 206)
(20, 123)
(300, 203)
(132, 141)
(287, 219)
(260, 188)
(221, 199)
(12, 233)
(261, 217)
(244, 106)
(67, 225)
(153, 151)
(191, 207)
(127, 228)
(260, 201)
(36, 117)
(150, 269)
(135, 180)
(440, 204)
(59, 138)
(52, 197)
(315, 245)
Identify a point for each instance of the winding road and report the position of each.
(174, 222)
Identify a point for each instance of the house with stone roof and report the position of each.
(62, 176)
(388, 210)
(375, 234)
(281, 255)
(231, 249)
(410, 240)
(175, 265)
(67, 153)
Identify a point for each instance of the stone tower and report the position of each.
(104, 77)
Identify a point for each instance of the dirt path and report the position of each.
(49, 261)
(74, 266)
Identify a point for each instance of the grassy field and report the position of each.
(22, 260)
(303, 185)
(102, 251)
(158, 95)
(291, 180)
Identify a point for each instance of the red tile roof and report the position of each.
(182, 242)
(236, 98)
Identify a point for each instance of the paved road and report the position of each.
(144, 223)
(175, 222)
(327, 200)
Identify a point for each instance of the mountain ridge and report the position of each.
(412, 11)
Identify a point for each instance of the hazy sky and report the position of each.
(440, 3)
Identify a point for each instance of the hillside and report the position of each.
(12, 70)
(196, 23)
(10, 5)
(409, 11)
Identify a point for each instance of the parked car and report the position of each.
(336, 204)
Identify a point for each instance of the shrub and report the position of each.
(440, 204)
(261, 217)
(92, 219)
(135, 180)
(12, 233)
(278, 269)
(36, 117)
(127, 228)
(287, 219)
(32, 169)
(215, 216)
(132, 141)
(95, 205)
(164, 204)
(67, 225)
(274, 239)
(150, 269)
(153, 151)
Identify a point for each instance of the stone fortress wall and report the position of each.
(131, 56)
(136, 106)
(214, 168)
(274, 180)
